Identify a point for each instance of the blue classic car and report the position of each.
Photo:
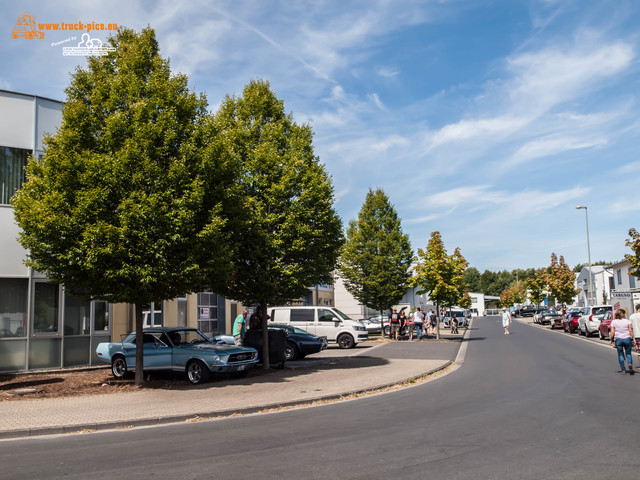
(178, 349)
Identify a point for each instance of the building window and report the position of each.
(77, 316)
(619, 273)
(152, 315)
(13, 307)
(632, 281)
(101, 316)
(208, 313)
(13, 162)
(45, 308)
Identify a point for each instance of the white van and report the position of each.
(322, 322)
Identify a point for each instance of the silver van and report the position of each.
(323, 322)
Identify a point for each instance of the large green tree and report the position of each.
(123, 207)
(438, 274)
(288, 235)
(376, 257)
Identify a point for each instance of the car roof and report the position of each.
(165, 329)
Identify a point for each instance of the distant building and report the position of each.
(625, 288)
(601, 286)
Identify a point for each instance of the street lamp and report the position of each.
(590, 301)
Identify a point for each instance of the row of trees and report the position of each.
(377, 257)
(557, 281)
(143, 195)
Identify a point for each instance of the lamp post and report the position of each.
(590, 300)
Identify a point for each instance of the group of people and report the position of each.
(625, 333)
(414, 323)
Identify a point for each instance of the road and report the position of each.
(535, 404)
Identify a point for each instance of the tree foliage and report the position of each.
(440, 275)
(123, 207)
(538, 285)
(376, 257)
(561, 280)
(633, 242)
(287, 234)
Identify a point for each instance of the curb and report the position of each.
(211, 415)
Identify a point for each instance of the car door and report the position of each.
(157, 354)
(328, 324)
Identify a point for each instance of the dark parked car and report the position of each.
(527, 311)
(570, 322)
(299, 343)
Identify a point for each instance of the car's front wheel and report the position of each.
(346, 341)
(197, 372)
(290, 351)
(119, 367)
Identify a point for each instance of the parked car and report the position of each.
(604, 329)
(527, 311)
(179, 349)
(326, 322)
(373, 325)
(299, 343)
(570, 322)
(590, 319)
(538, 315)
(554, 318)
(460, 315)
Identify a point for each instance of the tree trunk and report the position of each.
(139, 380)
(437, 320)
(265, 336)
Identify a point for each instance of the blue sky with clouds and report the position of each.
(488, 121)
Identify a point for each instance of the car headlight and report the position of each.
(360, 329)
(217, 359)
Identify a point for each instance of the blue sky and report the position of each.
(488, 121)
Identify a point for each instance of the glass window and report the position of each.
(77, 315)
(13, 161)
(632, 281)
(208, 312)
(302, 315)
(101, 316)
(619, 272)
(45, 308)
(152, 315)
(13, 306)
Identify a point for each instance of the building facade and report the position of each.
(600, 292)
(625, 288)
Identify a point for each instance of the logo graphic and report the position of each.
(87, 46)
(26, 27)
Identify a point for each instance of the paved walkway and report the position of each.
(331, 376)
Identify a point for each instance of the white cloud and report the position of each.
(549, 146)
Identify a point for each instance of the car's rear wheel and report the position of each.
(587, 333)
(387, 331)
(119, 367)
(346, 341)
(197, 372)
(290, 351)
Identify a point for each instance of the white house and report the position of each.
(600, 292)
(625, 288)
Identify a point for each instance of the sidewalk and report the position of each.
(368, 367)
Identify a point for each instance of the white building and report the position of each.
(600, 292)
(625, 288)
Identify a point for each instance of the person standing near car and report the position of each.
(403, 322)
(239, 328)
(622, 334)
(635, 325)
(506, 320)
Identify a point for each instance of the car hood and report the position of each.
(219, 348)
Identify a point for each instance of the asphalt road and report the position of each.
(537, 404)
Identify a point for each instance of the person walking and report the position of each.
(394, 324)
(635, 325)
(622, 335)
(506, 320)
(418, 320)
(239, 328)
(403, 322)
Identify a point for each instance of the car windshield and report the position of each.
(601, 310)
(177, 337)
(341, 315)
